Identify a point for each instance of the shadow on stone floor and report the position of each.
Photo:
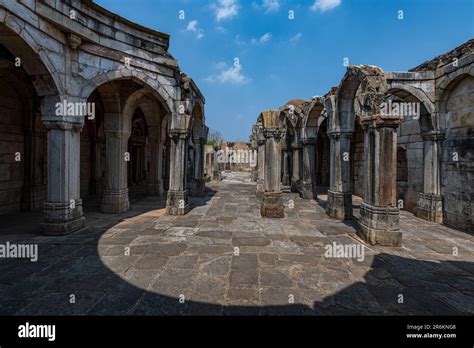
(91, 265)
(25, 225)
(45, 288)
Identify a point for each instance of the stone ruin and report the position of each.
(398, 140)
(93, 106)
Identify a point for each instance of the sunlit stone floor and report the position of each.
(146, 263)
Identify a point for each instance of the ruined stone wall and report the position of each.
(11, 141)
(457, 176)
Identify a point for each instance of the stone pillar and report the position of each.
(286, 165)
(309, 157)
(272, 201)
(255, 168)
(155, 181)
(430, 203)
(63, 207)
(216, 173)
(197, 183)
(261, 160)
(296, 172)
(115, 199)
(339, 205)
(177, 202)
(379, 213)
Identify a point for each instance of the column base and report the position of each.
(307, 191)
(60, 219)
(216, 176)
(272, 205)
(430, 207)
(378, 225)
(339, 205)
(115, 202)
(177, 203)
(197, 188)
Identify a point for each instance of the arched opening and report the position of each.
(322, 159)
(139, 155)
(23, 142)
(457, 176)
(24, 83)
(415, 121)
(123, 146)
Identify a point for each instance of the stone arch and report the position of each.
(33, 57)
(129, 74)
(456, 105)
(427, 122)
(370, 79)
(443, 91)
(312, 117)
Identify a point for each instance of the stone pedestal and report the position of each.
(115, 199)
(339, 205)
(308, 189)
(63, 207)
(379, 225)
(430, 203)
(177, 202)
(272, 205)
(430, 207)
(379, 213)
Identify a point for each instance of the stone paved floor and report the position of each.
(280, 269)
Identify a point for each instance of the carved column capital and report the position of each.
(379, 121)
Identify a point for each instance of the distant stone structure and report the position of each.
(236, 156)
(93, 106)
(399, 140)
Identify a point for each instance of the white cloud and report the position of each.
(263, 39)
(232, 75)
(296, 37)
(269, 6)
(225, 9)
(193, 27)
(325, 5)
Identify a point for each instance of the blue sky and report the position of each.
(282, 58)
